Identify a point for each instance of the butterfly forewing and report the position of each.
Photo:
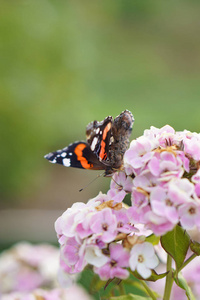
(76, 155)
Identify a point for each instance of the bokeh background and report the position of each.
(66, 63)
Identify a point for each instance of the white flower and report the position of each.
(95, 257)
(143, 259)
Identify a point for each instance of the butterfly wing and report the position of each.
(98, 137)
(76, 155)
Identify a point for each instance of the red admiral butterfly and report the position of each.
(106, 144)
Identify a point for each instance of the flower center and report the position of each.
(192, 210)
(105, 226)
(120, 224)
(113, 263)
(140, 258)
(168, 202)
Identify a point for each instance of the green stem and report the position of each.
(169, 279)
(188, 261)
(148, 290)
(122, 289)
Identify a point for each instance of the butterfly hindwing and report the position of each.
(98, 137)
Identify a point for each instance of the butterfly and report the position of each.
(104, 149)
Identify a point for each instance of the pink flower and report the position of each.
(162, 205)
(189, 215)
(120, 186)
(118, 260)
(100, 198)
(192, 146)
(139, 153)
(140, 206)
(65, 225)
(165, 162)
(158, 224)
(180, 190)
(124, 221)
(72, 256)
(104, 222)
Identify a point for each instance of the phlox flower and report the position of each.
(192, 146)
(166, 165)
(139, 153)
(72, 258)
(124, 221)
(159, 133)
(140, 206)
(162, 205)
(180, 190)
(95, 257)
(118, 260)
(120, 186)
(66, 224)
(100, 198)
(158, 224)
(189, 214)
(143, 259)
(104, 222)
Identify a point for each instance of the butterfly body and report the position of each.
(106, 144)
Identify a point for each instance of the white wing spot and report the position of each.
(64, 154)
(53, 161)
(70, 154)
(66, 162)
(94, 142)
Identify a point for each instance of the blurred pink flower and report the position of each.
(25, 267)
(75, 292)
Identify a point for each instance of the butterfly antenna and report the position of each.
(99, 175)
(116, 182)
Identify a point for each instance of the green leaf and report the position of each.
(130, 297)
(182, 283)
(176, 244)
(153, 239)
(154, 276)
(195, 247)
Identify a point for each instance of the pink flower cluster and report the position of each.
(161, 174)
(165, 186)
(92, 233)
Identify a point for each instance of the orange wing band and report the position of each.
(79, 153)
(103, 154)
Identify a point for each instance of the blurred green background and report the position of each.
(66, 63)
